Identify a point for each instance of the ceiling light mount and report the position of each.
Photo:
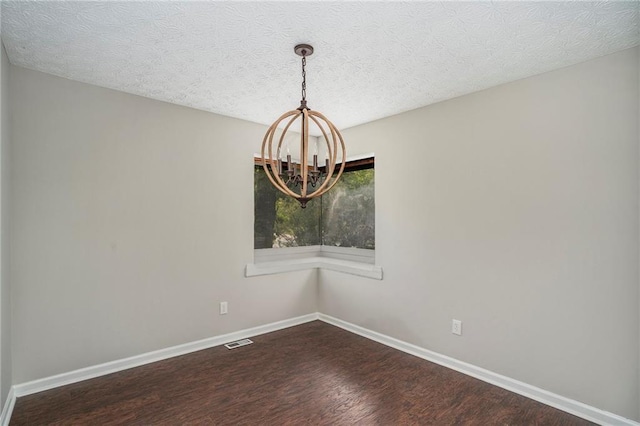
(303, 50)
(297, 174)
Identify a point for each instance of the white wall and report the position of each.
(5, 293)
(515, 210)
(132, 219)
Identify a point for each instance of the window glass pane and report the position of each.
(348, 211)
(279, 220)
(264, 209)
(294, 225)
(344, 216)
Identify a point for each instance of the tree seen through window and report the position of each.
(342, 217)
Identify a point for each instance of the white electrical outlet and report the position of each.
(456, 327)
(224, 308)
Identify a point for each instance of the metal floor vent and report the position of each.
(237, 344)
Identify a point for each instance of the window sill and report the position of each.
(346, 266)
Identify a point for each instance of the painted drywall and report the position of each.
(515, 210)
(133, 219)
(5, 288)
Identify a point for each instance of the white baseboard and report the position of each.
(7, 408)
(568, 405)
(149, 357)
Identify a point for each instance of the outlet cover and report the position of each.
(456, 327)
(224, 308)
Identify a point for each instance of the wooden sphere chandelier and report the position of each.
(302, 178)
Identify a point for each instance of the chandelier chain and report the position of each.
(304, 78)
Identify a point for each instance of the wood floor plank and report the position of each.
(311, 374)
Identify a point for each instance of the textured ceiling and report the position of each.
(373, 59)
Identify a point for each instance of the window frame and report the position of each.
(352, 260)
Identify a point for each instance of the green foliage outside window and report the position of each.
(344, 216)
(348, 211)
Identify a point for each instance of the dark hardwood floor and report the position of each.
(312, 374)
